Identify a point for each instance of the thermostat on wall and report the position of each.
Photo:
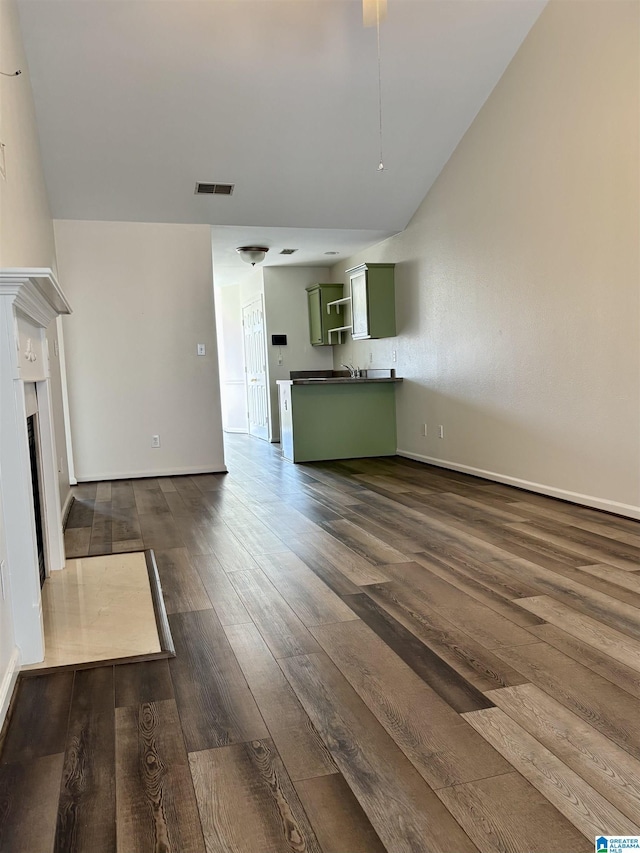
(278, 340)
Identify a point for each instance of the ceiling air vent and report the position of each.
(214, 189)
(288, 251)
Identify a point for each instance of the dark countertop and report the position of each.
(336, 380)
(338, 377)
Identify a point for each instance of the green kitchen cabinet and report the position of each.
(373, 302)
(337, 420)
(320, 321)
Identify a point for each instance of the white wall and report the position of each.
(518, 278)
(26, 229)
(8, 650)
(231, 355)
(251, 287)
(143, 299)
(287, 314)
(26, 236)
(57, 378)
(26, 240)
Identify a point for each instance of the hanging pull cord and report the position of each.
(381, 164)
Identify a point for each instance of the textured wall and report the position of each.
(26, 236)
(287, 314)
(143, 299)
(26, 229)
(26, 240)
(518, 277)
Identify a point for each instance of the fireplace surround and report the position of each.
(30, 299)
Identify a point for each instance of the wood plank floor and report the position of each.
(371, 655)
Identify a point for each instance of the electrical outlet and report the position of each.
(2, 565)
(394, 355)
(202, 350)
(424, 430)
(440, 431)
(155, 441)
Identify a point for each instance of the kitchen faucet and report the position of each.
(353, 373)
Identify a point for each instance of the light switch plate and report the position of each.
(202, 350)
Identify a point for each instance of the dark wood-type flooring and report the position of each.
(371, 655)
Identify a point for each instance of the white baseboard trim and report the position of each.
(563, 494)
(66, 508)
(134, 475)
(8, 683)
(236, 429)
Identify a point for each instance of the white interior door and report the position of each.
(255, 360)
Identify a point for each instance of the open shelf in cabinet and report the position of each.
(338, 303)
(339, 330)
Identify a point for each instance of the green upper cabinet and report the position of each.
(373, 302)
(320, 321)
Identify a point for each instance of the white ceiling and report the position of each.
(136, 100)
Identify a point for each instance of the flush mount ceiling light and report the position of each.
(252, 254)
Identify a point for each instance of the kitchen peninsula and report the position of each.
(329, 415)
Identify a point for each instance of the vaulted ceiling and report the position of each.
(136, 100)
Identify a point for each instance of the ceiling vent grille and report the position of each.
(214, 189)
(288, 251)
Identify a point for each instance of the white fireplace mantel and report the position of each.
(36, 292)
(30, 299)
